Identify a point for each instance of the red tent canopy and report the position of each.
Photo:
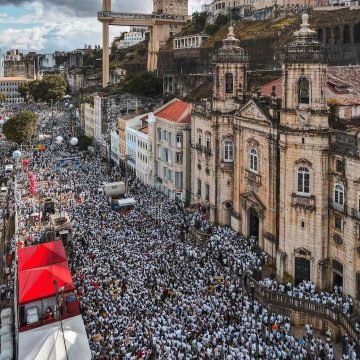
(41, 255)
(39, 283)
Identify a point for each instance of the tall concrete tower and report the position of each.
(106, 76)
(179, 7)
(106, 5)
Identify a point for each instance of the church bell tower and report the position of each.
(304, 142)
(230, 83)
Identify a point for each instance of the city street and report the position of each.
(145, 291)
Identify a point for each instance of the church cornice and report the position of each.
(304, 162)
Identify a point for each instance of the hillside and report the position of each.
(283, 27)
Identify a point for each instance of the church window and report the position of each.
(228, 151)
(339, 194)
(229, 84)
(339, 166)
(303, 181)
(208, 142)
(254, 160)
(304, 87)
(199, 137)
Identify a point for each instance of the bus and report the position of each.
(126, 205)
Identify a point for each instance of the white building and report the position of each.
(2, 65)
(89, 114)
(143, 166)
(97, 118)
(130, 39)
(9, 86)
(131, 147)
(190, 41)
(13, 55)
(114, 147)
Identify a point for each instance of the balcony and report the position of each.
(226, 166)
(305, 202)
(356, 213)
(338, 207)
(252, 177)
(202, 148)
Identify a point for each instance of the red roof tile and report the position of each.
(176, 111)
(266, 89)
(144, 130)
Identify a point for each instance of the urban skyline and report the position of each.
(47, 26)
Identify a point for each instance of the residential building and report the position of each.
(190, 41)
(89, 120)
(2, 65)
(169, 143)
(125, 121)
(143, 166)
(13, 55)
(19, 65)
(131, 148)
(9, 86)
(131, 39)
(282, 171)
(75, 81)
(178, 7)
(114, 147)
(117, 75)
(98, 117)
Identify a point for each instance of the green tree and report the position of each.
(23, 90)
(21, 127)
(51, 87)
(84, 142)
(199, 20)
(146, 84)
(2, 97)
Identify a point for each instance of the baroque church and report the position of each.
(285, 172)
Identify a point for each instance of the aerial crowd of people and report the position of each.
(147, 291)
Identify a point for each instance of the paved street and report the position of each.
(145, 291)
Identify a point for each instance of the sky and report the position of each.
(45, 26)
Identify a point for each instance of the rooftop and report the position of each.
(15, 78)
(144, 130)
(176, 111)
(343, 85)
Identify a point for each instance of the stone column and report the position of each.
(106, 53)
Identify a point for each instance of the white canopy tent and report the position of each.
(56, 342)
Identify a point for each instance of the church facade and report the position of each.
(287, 173)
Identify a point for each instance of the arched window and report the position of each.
(229, 84)
(304, 87)
(228, 150)
(339, 194)
(303, 181)
(199, 137)
(254, 160)
(208, 141)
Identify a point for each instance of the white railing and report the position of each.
(136, 16)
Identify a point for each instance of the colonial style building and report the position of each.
(169, 145)
(284, 170)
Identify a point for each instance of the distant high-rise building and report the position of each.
(179, 7)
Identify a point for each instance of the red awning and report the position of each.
(41, 255)
(39, 283)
